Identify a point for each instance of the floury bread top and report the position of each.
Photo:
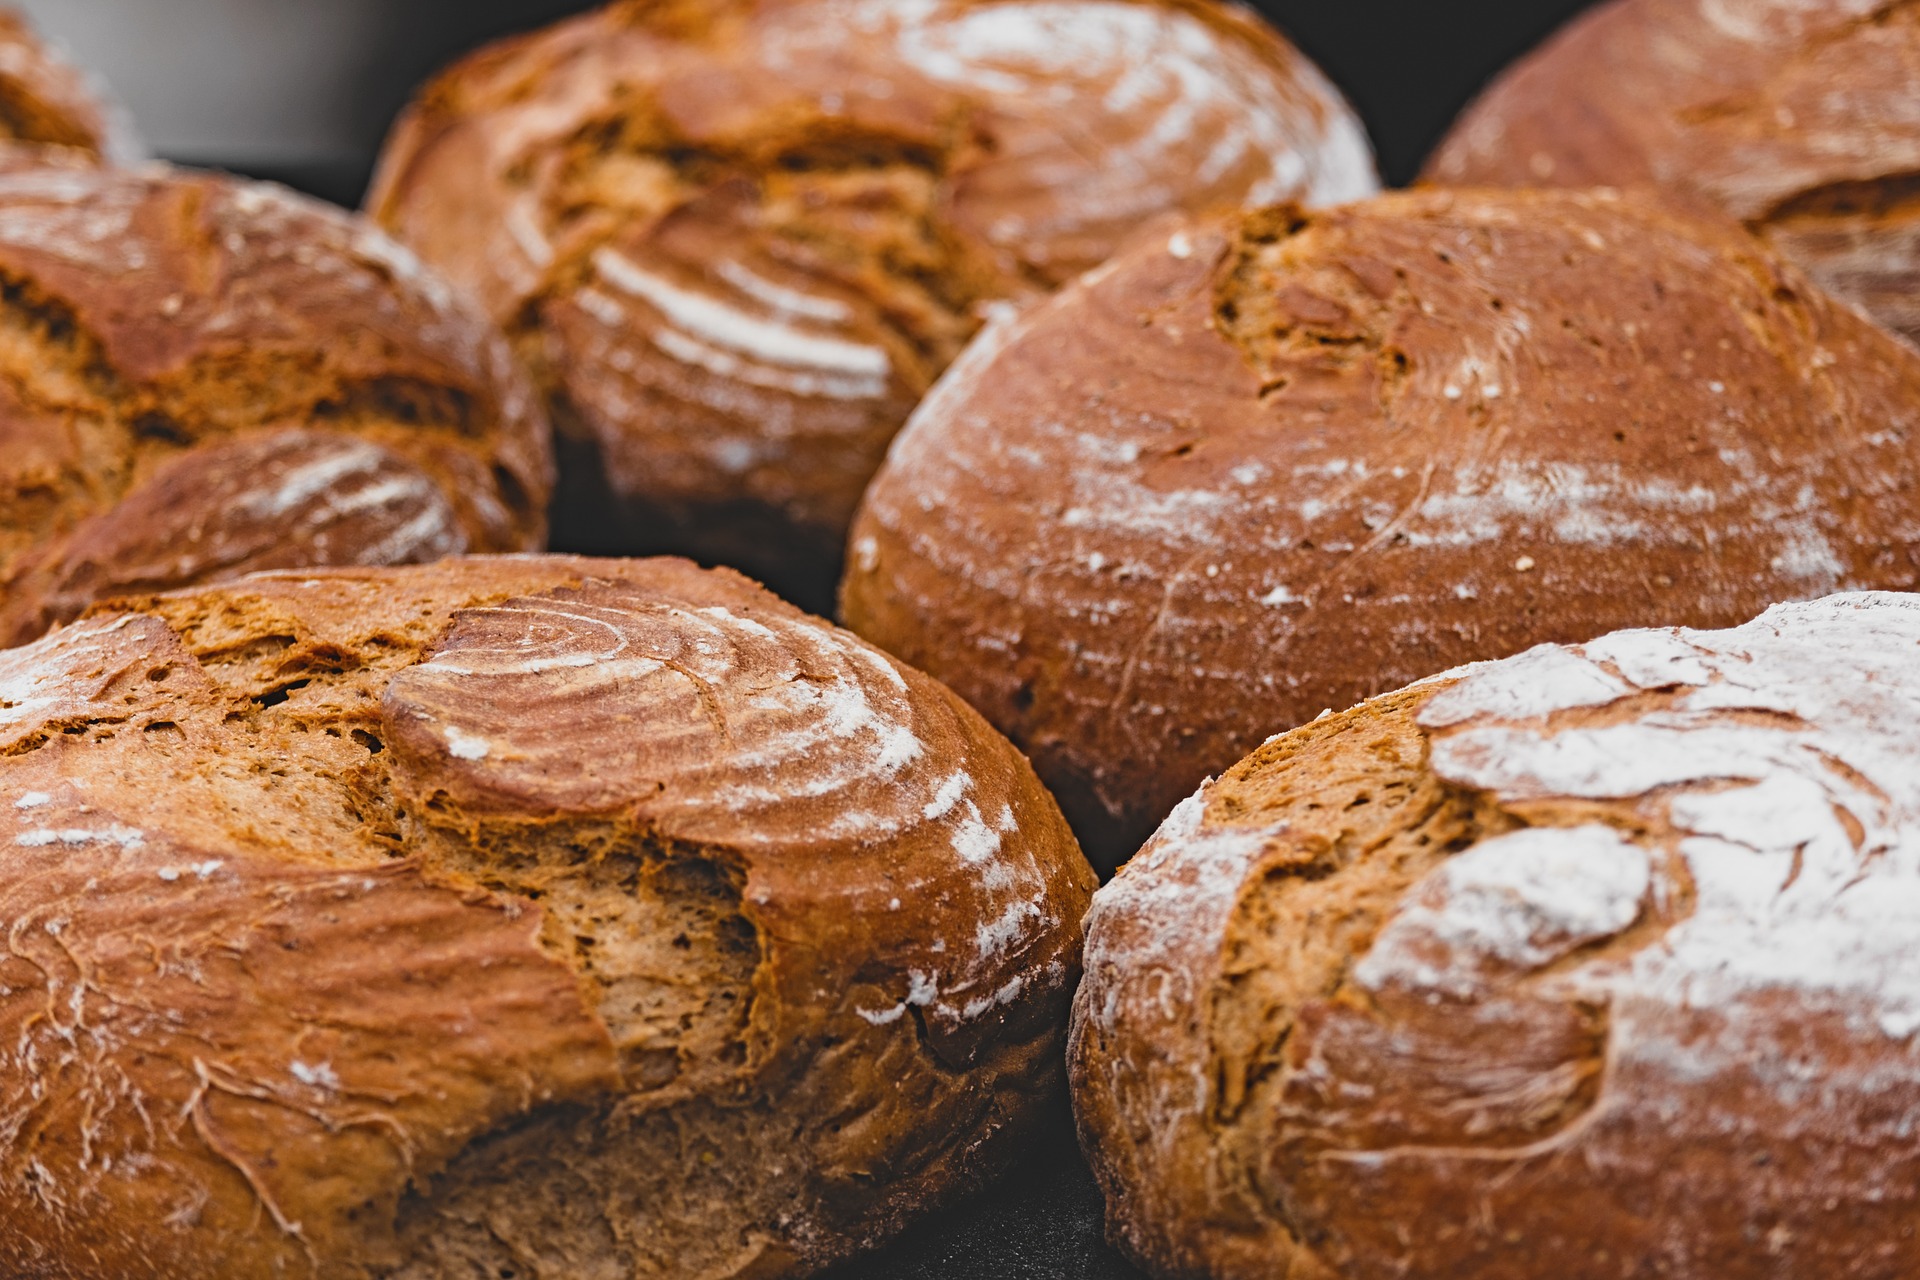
(1798, 117)
(1553, 965)
(1265, 465)
(740, 240)
(518, 915)
(205, 376)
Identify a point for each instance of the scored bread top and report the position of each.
(50, 107)
(315, 883)
(201, 376)
(1800, 119)
(741, 239)
(1554, 965)
(1263, 466)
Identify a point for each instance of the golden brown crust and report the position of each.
(49, 109)
(1261, 467)
(330, 892)
(740, 241)
(1591, 962)
(1731, 103)
(201, 376)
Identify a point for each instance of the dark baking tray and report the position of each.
(1041, 1222)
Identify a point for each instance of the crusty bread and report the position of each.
(528, 917)
(1801, 119)
(739, 240)
(1262, 467)
(51, 110)
(1593, 963)
(200, 376)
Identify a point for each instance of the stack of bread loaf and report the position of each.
(1487, 603)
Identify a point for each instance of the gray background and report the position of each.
(303, 90)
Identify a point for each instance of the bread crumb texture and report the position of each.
(739, 241)
(1594, 962)
(506, 919)
(201, 376)
(1264, 465)
(1800, 119)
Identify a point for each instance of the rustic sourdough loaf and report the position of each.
(506, 919)
(200, 376)
(1260, 467)
(739, 240)
(1593, 963)
(1801, 119)
(51, 110)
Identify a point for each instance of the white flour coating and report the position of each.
(1769, 21)
(765, 349)
(38, 678)
(1180, 889)
(466, 746)
(341, 459)
(1205, 104)
(41, 837)
(344, 480)
(1516, 902)
(1784, 760)
(1780, 757)
(65, 216)
(808, 722)
(779, 297)
(1601, 506)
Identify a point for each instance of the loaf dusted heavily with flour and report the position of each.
(529, 917)
(1265, 466)
(51, 110)
(1801, 119)
(200, 377)
(1593, 963)
(740, 239)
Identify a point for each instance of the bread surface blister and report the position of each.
(1591, 962)
(524, 916)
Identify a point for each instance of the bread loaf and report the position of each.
(739, 240)
(51, 110)
(1260, 467)
(200, 376)
(1592, 963)
(527, 917)
(1800, 119)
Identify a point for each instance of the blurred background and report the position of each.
(302, 91)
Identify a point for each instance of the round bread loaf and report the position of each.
(1261, 467)
(1802, 119)
(200, 376)
(1593, 963)
(739, 240)
(49, 108)
(522, 917)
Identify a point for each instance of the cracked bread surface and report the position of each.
(201, 376)
(1591, 962)
(1261, 466)
(525, 917)
(739, 241)
(1799, 119)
